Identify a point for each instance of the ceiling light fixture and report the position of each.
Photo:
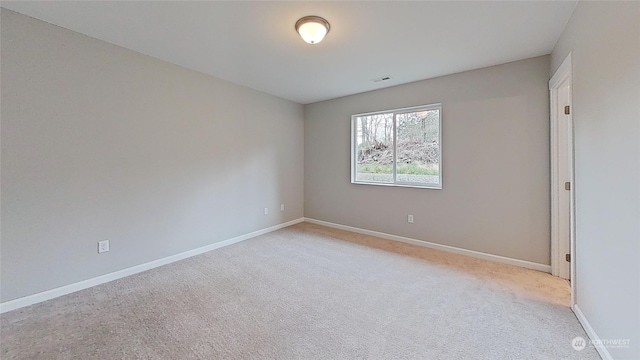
(312, 29)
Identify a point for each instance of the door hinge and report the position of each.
(567, 186)
(567, 257)
(567, 110)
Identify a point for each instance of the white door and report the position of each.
(562, 186)
(565, 185)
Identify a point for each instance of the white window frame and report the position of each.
(396, 112)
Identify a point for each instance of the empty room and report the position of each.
(320, 180)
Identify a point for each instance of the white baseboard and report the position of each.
(451, 249)
(595, 339)
(67, 289)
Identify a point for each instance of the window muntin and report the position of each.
(398, 147)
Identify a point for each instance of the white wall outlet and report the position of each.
(410, 219)
(281, 207)
(266, 211)
(103, 246)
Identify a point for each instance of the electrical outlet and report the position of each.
(266, 211)
(103, 246)
(281, 207)
(410, 219)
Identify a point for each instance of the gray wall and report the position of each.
(604, 38)
(99, 142)
(495, 195)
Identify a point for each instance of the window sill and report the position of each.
(417, 186)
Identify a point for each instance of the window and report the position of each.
(398, 147)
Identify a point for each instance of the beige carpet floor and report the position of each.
(307, 292)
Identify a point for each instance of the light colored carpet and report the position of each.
(307, 292)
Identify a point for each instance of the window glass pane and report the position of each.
(374, 148)
(417, 147)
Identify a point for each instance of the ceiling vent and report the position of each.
(380, 79)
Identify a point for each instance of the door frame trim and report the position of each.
(561, 77)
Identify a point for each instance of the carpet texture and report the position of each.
(307, 292)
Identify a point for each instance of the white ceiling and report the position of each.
(254, 43)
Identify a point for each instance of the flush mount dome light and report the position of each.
(312, 29)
